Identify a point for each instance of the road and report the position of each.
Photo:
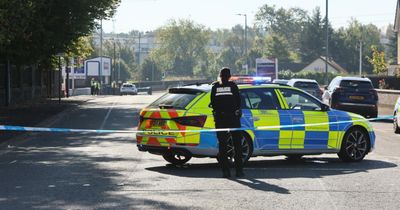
(106, 171)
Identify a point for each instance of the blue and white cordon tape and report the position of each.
(67, 130)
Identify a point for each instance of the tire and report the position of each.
(355, 145)
(396, 127)
(294, 157)
(247, 148)
(177, 157)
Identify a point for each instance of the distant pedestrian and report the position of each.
(98, 88)
(92, 86)
(225, 102)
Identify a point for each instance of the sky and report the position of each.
(148, 15)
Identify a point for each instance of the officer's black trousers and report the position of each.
(223, 149)
(229, 121)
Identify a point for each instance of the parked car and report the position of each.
(308, 126)
(128, 88)
(353, 94)
(280, 81)
(396, 114)
(308, 85)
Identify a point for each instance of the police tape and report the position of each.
(68, 130)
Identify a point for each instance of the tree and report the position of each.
(348, 45)
(276, 47)
(391, 47)
(287, 23)
(182, 46)
(378, 60)
(150, 71)
(36, 30)
(313, 37)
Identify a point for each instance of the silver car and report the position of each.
(128, 88)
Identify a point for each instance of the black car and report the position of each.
(352, 94)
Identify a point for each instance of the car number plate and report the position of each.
(357, 97)
(157, 123)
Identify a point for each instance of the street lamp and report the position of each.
(327, 44)
(245, 40)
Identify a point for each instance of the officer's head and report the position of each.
(225, 74)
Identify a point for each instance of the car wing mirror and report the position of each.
(325, 107)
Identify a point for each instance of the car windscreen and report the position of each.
(356, 84)
(174, 100)
(308, 85)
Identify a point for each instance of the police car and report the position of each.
(277, 120)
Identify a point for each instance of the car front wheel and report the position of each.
(247, 149)
(355, 145)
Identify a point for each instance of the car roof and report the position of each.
(207, 87)
(355, 78)
(303, 80)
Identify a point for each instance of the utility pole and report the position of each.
(113, 68)
(101, 52)
(327, 44)
(245, 41)
(139, 59)
(360, 67)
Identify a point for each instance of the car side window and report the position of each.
(261, 99)
(300, 101)
(245, 104)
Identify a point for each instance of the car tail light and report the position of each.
(374, 93)
(196, 121)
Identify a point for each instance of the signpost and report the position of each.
(267, 68)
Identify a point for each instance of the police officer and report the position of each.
(225, 102)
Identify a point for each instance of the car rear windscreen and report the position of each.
(174, 100)
(356, 84)
(128, 86)
(308, 85)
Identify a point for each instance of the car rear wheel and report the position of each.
(177, 157)
(395, 124)
(355, 145)
(247, 149)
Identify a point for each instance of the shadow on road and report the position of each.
(277, 169)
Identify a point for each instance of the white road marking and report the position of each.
(107, 115)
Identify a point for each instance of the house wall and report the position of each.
(319, 66)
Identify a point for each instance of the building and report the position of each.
(318, 65)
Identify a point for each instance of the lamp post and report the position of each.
(327, 45)
(245, 41)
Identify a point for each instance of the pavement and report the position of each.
(37, 113)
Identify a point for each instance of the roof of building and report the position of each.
(334, 65)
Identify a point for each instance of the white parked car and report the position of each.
(128, 88)
(309, 85)
(396, 120)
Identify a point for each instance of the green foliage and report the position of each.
(81, 48)
(182, 46)
(348, 43)
(391, 50)
(378, 60)
(35, 30)
(313, 37)
(276, 47)
(149, 71)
